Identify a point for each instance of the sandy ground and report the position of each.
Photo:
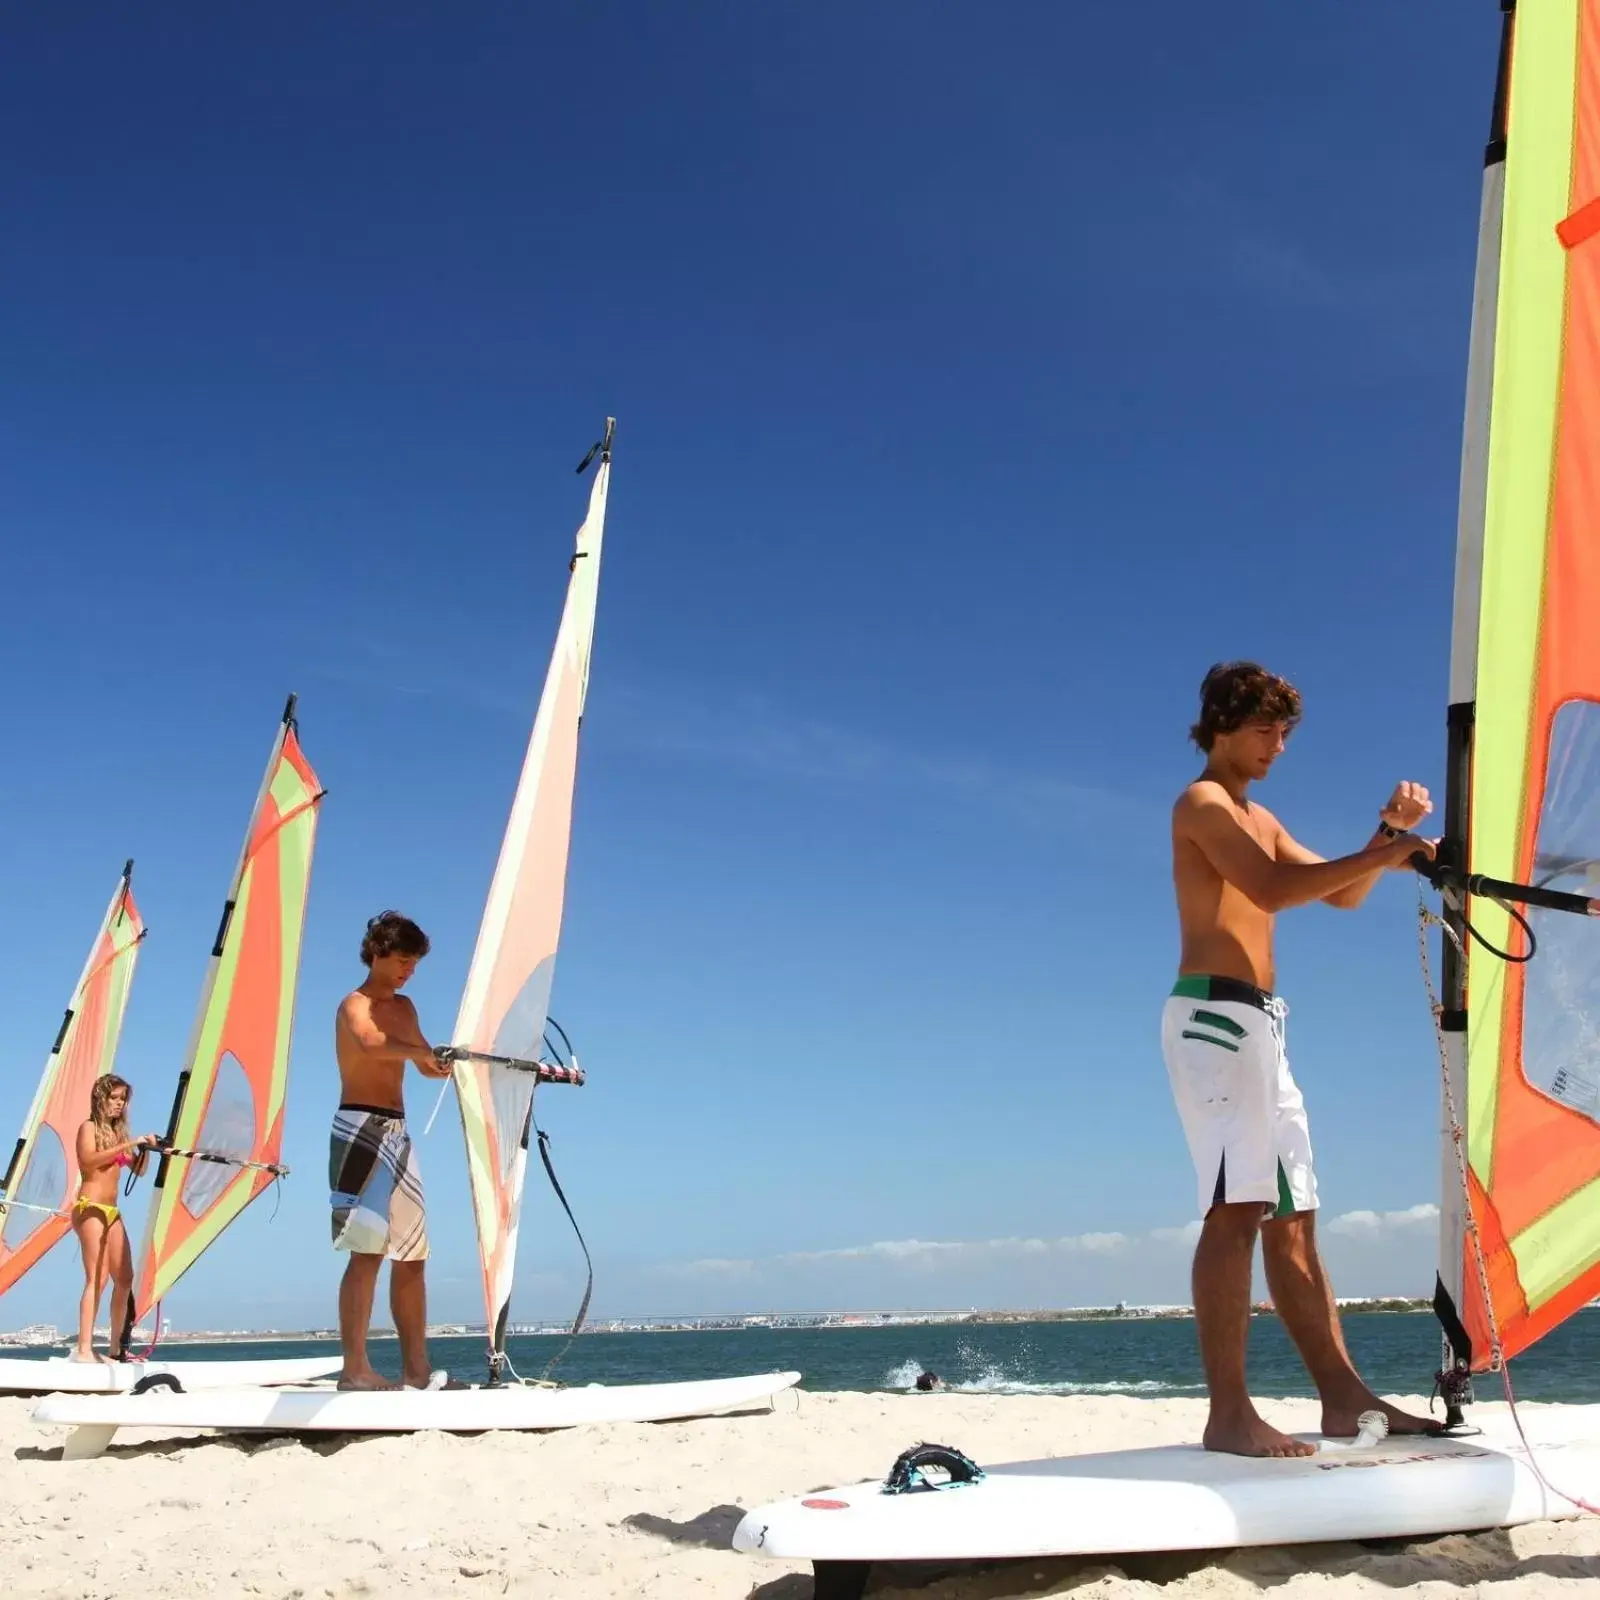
(644, 1510)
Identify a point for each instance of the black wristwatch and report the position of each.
(1387, 831)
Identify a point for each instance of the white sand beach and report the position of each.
(642, 1510)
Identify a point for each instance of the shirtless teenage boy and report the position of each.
(372, 1169)
(1222, 1033)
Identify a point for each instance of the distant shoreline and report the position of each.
(749, 1322)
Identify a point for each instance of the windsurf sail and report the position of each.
(1520, 1018)
(42, 1176)
(225, 1134)
(498, 1041)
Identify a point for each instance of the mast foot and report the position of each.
(1453, 1385)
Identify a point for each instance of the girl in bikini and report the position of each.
(104, 1152)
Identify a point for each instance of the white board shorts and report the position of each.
(1241, 1110)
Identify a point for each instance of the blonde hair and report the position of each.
(106, 1132)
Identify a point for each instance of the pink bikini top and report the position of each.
(124, 1160)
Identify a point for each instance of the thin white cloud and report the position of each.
(714, 1267)
(921, 1250)
(752, 734)
(350, 658)
(1282, 268)
(912, 1252)
(1095, 1244)
(1382, 306)
(883, 1249)
(1378, 1224)
(1040, 1261)
(1188, 1234)
(1369, 1227)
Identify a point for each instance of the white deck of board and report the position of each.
(327, 1409)
(60, 1375)
(1181, 1497)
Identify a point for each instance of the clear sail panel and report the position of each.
(229, 1129)
(1561, 1010)
(40, 1191)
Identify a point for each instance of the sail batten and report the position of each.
(226, 1127)
(42, 1175)
(1523, 803)
(506, 1001)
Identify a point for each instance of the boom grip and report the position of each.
(1526, 894)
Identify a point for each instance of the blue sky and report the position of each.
(982, 375)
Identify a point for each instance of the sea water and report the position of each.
(1396, 1352)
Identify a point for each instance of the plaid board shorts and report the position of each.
(376, 1185)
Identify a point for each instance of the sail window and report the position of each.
(41, 1190)
(229, 1129)
(1561, 1008)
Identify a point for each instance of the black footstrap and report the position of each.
(157, 1380)
(908, 1474)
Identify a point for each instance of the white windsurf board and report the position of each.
(96, 1418)
(62, 1375)
(1181, 1497)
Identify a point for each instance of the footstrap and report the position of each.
(908, 1475)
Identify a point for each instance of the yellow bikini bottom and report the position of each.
(107, 1211)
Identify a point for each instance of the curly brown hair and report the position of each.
(1237, 692)
(389, 934)
(107, 1132)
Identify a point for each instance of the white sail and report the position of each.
(505, 1007)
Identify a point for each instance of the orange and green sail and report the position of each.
(42, 1175)
(226, 1130)
(1522, 1004)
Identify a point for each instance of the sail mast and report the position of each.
(1450, 1290)
(225, 1131)
(505, 1005)
(41, 1176)
(1520, 1014)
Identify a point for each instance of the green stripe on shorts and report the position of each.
(1206, 1038)
(1215, 1019)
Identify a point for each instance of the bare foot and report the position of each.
(367, 1381)
(1341, 1421)
(88, 1357)
(1245, 1434)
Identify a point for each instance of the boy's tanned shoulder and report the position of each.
(1206, 796)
